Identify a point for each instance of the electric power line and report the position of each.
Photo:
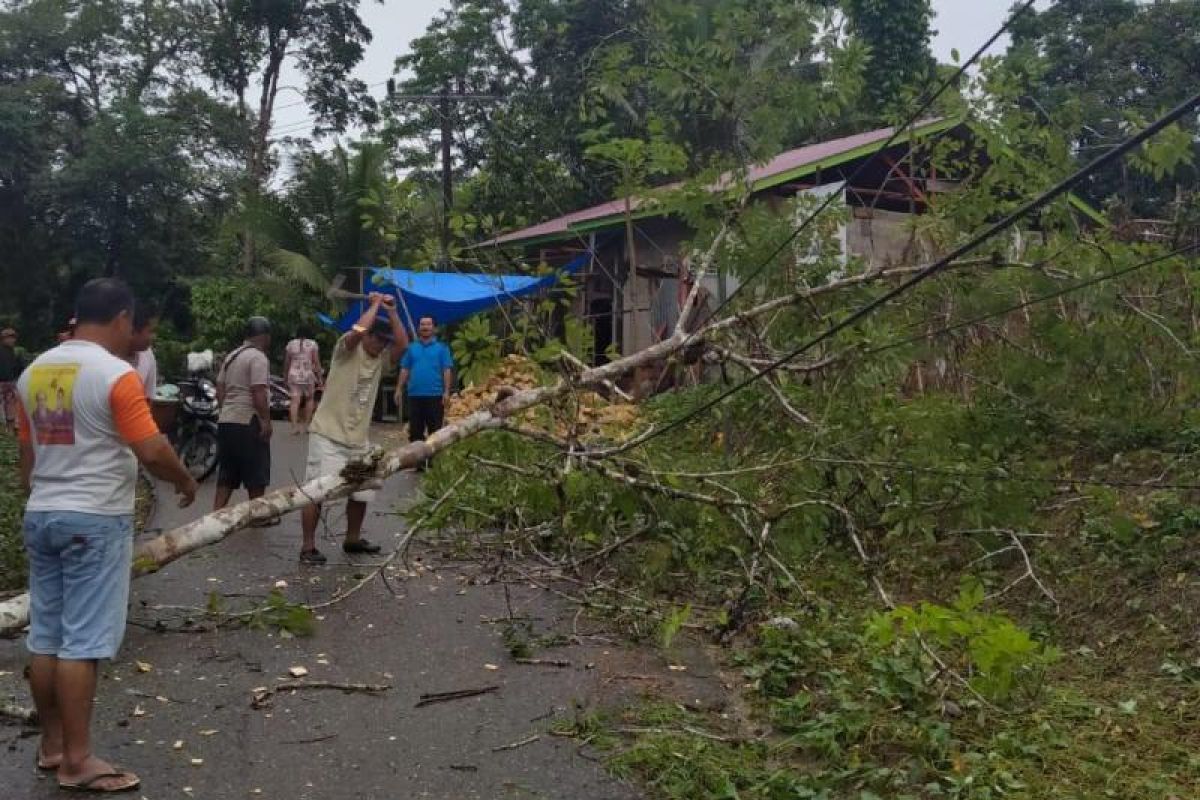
(1037, 203)
(896, 133)
(1001, 473)
(1103, 277)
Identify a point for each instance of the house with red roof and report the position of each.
(631, 290)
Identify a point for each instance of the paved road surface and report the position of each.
(194, 702)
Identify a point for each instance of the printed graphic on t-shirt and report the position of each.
(52, 397)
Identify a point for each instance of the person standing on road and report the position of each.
(340, 428)
(11, 365)
(302, 370)
(68, 332)
(81, 473)
(141, 348)
(244, 426)
(427, 370)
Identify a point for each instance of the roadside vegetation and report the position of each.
(950, 552)
(12, 506)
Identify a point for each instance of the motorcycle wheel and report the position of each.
(199, 453)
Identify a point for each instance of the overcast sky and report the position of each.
(961, 24)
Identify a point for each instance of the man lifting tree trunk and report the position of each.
(340, 428)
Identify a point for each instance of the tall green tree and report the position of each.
(896, 34)
(730, 79)
(563, 38)
(317, 227)
(1097, 67)
(249, 42)
(111, 151)
(464, 52)
(729, 82)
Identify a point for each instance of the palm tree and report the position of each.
(315, 229)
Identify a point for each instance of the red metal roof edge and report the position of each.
(784, 162)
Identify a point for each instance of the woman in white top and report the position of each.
(302, 369)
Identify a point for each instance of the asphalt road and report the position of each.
(182, 717)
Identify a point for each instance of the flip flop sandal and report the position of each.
(44, 764)
(312, 557)
(89, 785)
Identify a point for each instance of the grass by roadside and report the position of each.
(12, 504)
(837, 714)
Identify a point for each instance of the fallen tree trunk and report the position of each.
(17, 715)
(14, 613)
(212, 528)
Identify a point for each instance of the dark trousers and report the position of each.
(244, 456)
(425, 415)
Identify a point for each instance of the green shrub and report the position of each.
(12, 503)
(221, 306)
(999, 656)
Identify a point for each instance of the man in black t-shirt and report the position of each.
(11, 365)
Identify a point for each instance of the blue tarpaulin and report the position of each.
(449, 297)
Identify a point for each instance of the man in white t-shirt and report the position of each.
(141, 352)
(84, 424)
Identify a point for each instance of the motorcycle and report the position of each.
(279, 397)
(187, 411)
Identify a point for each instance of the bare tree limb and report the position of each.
(156, 553)
(794, 414)
(17, 715)
(262, 695)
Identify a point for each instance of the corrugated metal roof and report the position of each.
(778, 167)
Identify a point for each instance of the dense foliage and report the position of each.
(128, 141)
(955, 564)
(974, 554)
(12, 505)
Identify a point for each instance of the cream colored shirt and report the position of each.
(244, 369)
(344, 415)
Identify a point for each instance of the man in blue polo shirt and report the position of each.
(427, 370)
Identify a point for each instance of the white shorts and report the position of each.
(327, 457)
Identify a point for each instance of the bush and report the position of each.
(1000, 656)
(12, 502)
(221, 306)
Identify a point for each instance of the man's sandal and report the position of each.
(130, 783)
(313, 556)
(361, 546)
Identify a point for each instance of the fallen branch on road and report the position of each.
(400, 550)
(458, 694)
(212, 528)
(543, 662)
(515, 745)
(313, 740)
(17, 715)
(263, 694)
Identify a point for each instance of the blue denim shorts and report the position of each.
(79, 567)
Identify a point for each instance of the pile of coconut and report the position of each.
(592, 415)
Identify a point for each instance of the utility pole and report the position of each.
(447, 174)
(444, 101)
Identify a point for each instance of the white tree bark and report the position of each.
(14, 613)
(212, 528)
